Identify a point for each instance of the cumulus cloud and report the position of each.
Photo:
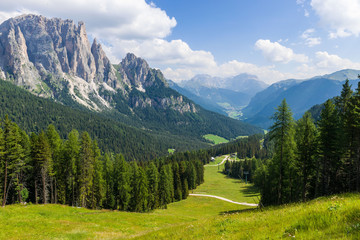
(275, 52)
(309, 39)
(325, 63)
(133, 19)
(342, 17)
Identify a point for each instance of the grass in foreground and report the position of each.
(219, 184)
(215, 139)
(64, 222)
(336, 217)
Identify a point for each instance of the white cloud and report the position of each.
(342, 17)
(133, 19)
(325, 63)
(306, 13)
(331, 61)
(309, 40)
(275, 52)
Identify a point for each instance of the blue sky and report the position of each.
(272, 39)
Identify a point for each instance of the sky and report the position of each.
(274, 40)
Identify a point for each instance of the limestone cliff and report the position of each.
(53, 57)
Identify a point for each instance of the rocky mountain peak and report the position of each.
(54, 58)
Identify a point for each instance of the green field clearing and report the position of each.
(63, 222)
(335, 217)
(219, 184)
(215, 139)
(171, 151)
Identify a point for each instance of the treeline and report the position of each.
(243, 169)
(244, 147)
(44, 168)
(313, 159)
(34, 114)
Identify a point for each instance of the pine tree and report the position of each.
(108, 171)
(98, 190)
(86, 169)
(164, 188)
(177, 182)
(330, 149)
(306, 139)
(122, 183)
(41, 155)
(282, 133)
(57, 181)
(70, 154)
(12, 158)
(153, 181)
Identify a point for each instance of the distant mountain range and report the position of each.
(53, 58)
(261, 101)
(223, 95)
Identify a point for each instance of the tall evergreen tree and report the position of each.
(330, 149)
(108, 171)
(70, 154)
(86, 169)
(282, 133)
(177, 182)
(306, 139)
(56, 180)
(164, 188)
(122, 186)
(41, 154)
(153, 181)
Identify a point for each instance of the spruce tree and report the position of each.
(306, 141)
(70, 154)
(153, 181)
(282, 133)
(122, 188)
(164, 188)
(86, 169)
(57, 180)
(108, 173)
(330, 149)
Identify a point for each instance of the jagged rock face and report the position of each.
(47, 56)
(33, 47)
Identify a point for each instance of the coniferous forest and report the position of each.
(311, 159)
(43, 168)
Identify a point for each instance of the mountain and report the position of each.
(341, 75)
(300, 95)
(223, 95)
(34, 114)
(53, 58)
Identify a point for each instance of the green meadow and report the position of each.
(335, 217)
(215, 139)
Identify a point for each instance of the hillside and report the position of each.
(335, 217)
(34, 114)
(300, 95)
(53, 58)
(223, 95)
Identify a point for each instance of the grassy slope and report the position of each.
(336, 217)
(219, 184)
(215, 139)
(62, 222)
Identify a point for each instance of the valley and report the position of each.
(114, 127)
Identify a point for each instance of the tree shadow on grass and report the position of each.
(250, 191)
(238, 211)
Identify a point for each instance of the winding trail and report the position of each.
(224, 199)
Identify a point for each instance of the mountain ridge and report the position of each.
(53, 58)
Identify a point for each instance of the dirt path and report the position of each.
(224, 199)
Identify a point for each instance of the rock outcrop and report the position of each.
(52, 56)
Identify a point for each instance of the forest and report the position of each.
(310, 159)
(44, 168)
